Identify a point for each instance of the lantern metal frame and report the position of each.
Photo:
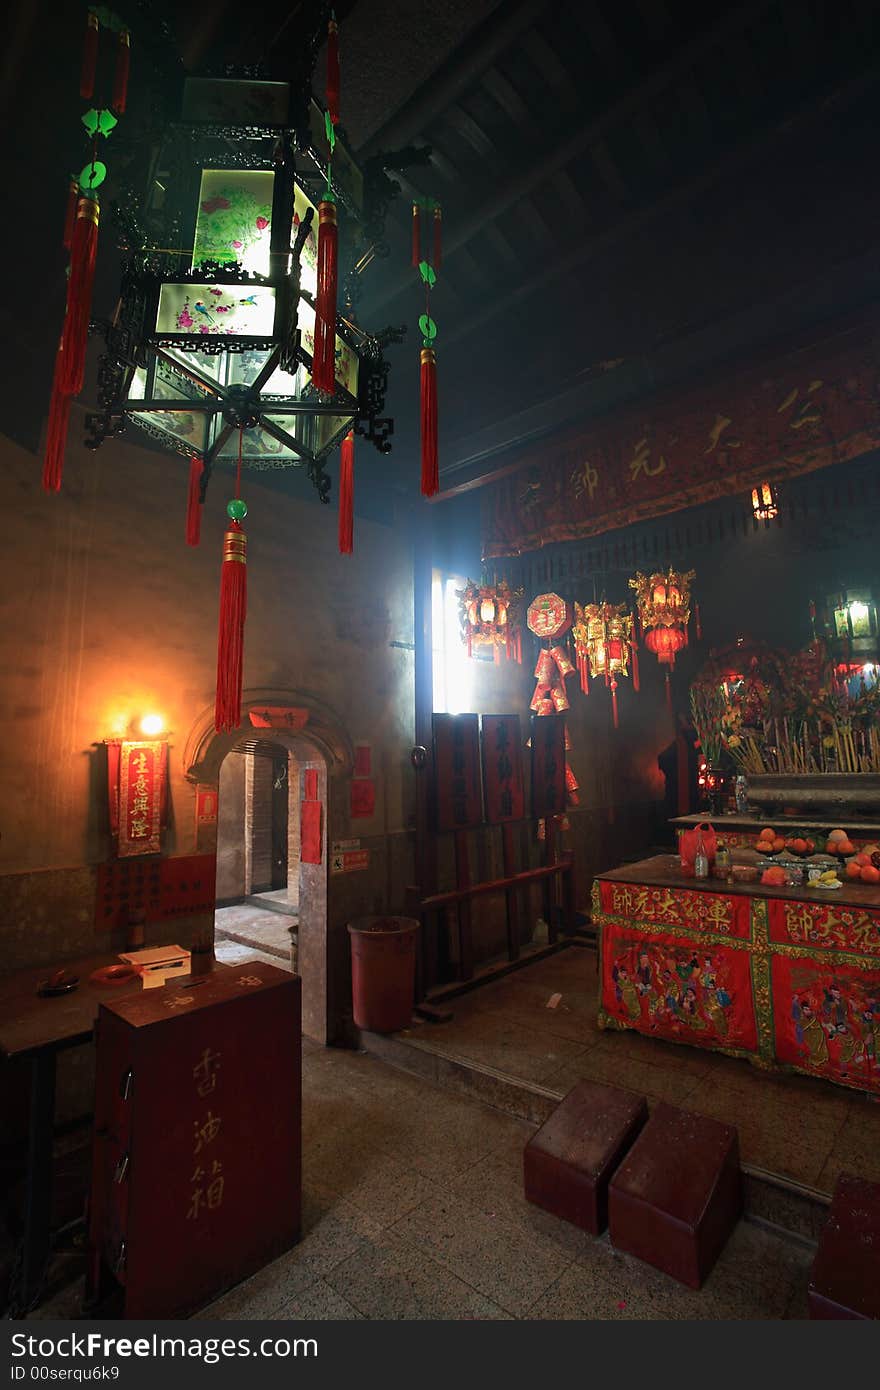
(158, 244)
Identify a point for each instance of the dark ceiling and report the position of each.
(632, 190)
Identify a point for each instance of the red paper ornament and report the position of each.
(430, 463)
(346, 495)
(324, 359)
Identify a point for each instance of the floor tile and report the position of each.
(318, 1301)
(390, 1279)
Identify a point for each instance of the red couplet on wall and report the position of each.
(548, 765)
(311, 822)
(502, 768)
(457, 796)
(363, 798)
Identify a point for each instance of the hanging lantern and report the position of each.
(604, 646)
(489, 616)
(549, 618)
(663, 602)
(227, 327)
(765, 502)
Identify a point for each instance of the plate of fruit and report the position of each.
(864, 866)
(840, 844)
(770, 842)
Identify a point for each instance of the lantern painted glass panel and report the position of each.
(245, 310)
(308, 262)
(234, 217)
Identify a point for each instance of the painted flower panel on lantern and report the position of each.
(233, 220)
(346, 369)
(240, 311)
(258, 445)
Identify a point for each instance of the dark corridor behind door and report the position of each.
(279, 822)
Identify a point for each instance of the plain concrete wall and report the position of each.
(108, 615)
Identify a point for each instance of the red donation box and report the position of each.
(196, 1180)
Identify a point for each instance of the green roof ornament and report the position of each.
(99, 122)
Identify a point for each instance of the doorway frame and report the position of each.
(321, 743)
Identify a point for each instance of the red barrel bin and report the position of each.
(383, 968)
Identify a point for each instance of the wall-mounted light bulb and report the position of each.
(152, 724)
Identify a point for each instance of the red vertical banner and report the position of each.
(311, 824)
(310, 784)
(457, 798)
(206, 806)
(142, 773)
(502, 768)
(548, 765)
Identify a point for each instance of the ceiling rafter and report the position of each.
(560, 149)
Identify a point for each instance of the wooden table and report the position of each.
(33, 1030)
(787, 977)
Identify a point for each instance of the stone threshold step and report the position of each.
(771, 1199)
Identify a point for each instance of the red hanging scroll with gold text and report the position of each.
(137, 776)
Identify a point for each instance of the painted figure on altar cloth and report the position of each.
(809, 1032)
(627, 992)
(682, 992)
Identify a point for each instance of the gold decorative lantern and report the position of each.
(663, 602)
(489, 615)
(605, 646)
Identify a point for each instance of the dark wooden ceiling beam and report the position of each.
(566, 145)
(461, 70)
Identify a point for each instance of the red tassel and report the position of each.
(438, 240)
(430, 467)
(230, 638)
(56, 434)
(193, 502)
(416, 237)
(75, 334)
(70, 214)
(614, 703)
(698, 623)
(635, 666)
(324, 360)
(120, 73)
(346, 495)
(89, 58)
(333, 71)
(668, 692)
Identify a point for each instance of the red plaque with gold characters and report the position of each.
(142, 771)
(549, 616)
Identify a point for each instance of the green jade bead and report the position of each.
(236, 509)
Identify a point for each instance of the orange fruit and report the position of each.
(869, 874)
(853, 870)
(811, 845)
(845, 847)
(862, 858)
(836, 835)
(778, 844)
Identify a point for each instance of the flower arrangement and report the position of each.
(774, 711)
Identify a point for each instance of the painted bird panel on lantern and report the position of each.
(245, 310)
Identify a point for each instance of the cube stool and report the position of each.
(845, 1280)
(677, 1195)
(568, 1164)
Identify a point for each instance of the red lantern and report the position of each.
(664, 642)
(663, 602)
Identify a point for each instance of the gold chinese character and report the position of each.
(216, 1185)
(641, 462)
(721, 424)
(584, 479)
(206, 1132)
(205, 1072)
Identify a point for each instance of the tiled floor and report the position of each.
(413, 1208)
(263, 928)
(795, 1126)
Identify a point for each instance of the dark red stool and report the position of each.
(677, 1196)
(568, 1164)
(845, 1282)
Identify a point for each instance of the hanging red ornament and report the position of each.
(489, 616)
(324, 359)
(75, 334)
(438, 240)
(604, 646)
(120, 74)
(56, 433)
(430, 463)
(194, 502)
(663, 602)
(233, 611)
(70, 213)
(332, 88)
(416, 236)
(346, 495)
(89, 58)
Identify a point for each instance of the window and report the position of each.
(453, 683)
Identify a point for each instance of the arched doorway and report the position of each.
(319, 747)
(261, 790)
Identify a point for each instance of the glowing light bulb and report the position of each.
(152, 724)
